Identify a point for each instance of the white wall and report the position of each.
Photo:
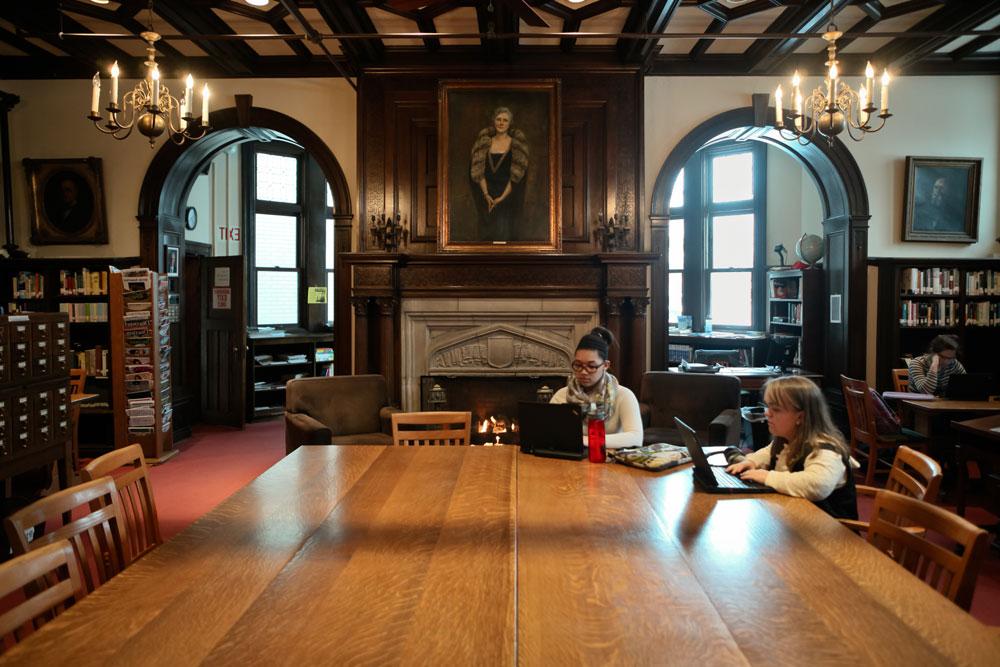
(793, 206)
(933, 116)
(50, 122)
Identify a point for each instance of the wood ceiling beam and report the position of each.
(971, 47)
(235, 57)
(24, 45)
(904, 8)
(903, 52)
(573, 18)
(349, 17)
(765, 56)
(715, 10)
(503, 21)
(872, 8)
(46, 20)
(702, 45)
(426, 24)
(652, 16)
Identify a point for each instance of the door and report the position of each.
(223, 342)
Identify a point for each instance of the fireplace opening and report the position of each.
(491, 399)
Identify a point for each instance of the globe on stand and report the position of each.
(810, 249)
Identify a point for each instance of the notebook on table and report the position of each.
(713, 479)
(551, 429)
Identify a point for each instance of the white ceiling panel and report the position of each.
(387, 22)
(753, 23)
(685, 19)
(612, 21)
(898, 24)
(458, 20)
(242, 25)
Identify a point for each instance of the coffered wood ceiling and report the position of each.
(212, 37)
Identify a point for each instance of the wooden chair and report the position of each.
(128, 469)
(432, 428)
(950, 569)
(861, 415)
(77, 382)
(96, 534)
(900, 379)
(49, 580)
(912, 474)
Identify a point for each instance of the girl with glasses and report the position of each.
(598, 392)
(807, 457)
(929, 373)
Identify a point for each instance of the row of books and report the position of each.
(982, 283)
(28, 285)
(790, 315)
(982, 314)
(93, 361)
(84, 282)
(931, 281)
(940, 313)
(85, 312)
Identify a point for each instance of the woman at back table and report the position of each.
(597, 391)
(930, 372)
(807, 457)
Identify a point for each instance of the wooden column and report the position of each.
(637, 343)
(360, 306)
(387, 345)
(613, 315)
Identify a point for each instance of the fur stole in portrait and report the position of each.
(518, 148)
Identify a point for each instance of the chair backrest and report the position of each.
(915, 475)
(723, 357)
(432, 428)
(77, 380)
(128, 469)
(48, 579)
(95, 532)
(947, 556)
(900, 379)
(696, 398)
(860, 411)
(346, 404)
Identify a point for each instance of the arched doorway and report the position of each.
(162, 200)
(844, 200)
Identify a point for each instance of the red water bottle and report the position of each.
(596, 451)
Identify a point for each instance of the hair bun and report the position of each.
(603, 334)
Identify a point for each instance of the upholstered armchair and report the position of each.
(709, 403)
(338, 410)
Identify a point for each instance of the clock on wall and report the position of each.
(191, 217)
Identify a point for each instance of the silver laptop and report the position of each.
(714, 479)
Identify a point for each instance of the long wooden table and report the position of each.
(461, 555)
(943, 410)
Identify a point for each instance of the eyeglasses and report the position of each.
(588, 368)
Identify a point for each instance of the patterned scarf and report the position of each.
(598, 403)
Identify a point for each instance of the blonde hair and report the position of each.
(792, 392)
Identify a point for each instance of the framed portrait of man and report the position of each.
(941, 199)
(498, 166)
(67, 201)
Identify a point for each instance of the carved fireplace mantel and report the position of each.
(369, 336)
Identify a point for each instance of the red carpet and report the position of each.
(217, 461)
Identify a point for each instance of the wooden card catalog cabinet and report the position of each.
(34, 393)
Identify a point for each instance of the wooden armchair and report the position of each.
(900, 379)
(709, 403)
(95, 532)
(338, 410)
(49, 580)
(913, 474)
(127, 467)
(432, 428)
(947, 558)
(861, 415)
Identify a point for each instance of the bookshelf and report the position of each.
(795, 309)
(79, 288)
(920, 299)
(277, 357)
(140, 362)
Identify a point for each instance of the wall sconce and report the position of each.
(388, 234)
(437, 398)
(544, 394)
(612, 233)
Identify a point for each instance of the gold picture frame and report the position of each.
(67, 201)
(499, 186)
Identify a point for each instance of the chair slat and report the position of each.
(413, 428)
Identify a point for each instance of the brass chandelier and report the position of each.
(149, 107)
(834, 106)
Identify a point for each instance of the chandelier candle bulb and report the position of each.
(862, 105)
(95, 97)
(188, 96)
(155, 99)
(870, 81)
(204, 105)
(885, 91)
(777, 106)
(114, 84)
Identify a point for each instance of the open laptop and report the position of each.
(970, 387)
(713, 479)
(551, 429)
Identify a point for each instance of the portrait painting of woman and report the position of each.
(497, 147)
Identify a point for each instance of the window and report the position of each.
(716, 237)
(290, 238)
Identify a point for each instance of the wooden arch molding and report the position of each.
(845, 226)
(174, 168)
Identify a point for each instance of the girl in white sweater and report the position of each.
(598, 392)
(808, 457)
